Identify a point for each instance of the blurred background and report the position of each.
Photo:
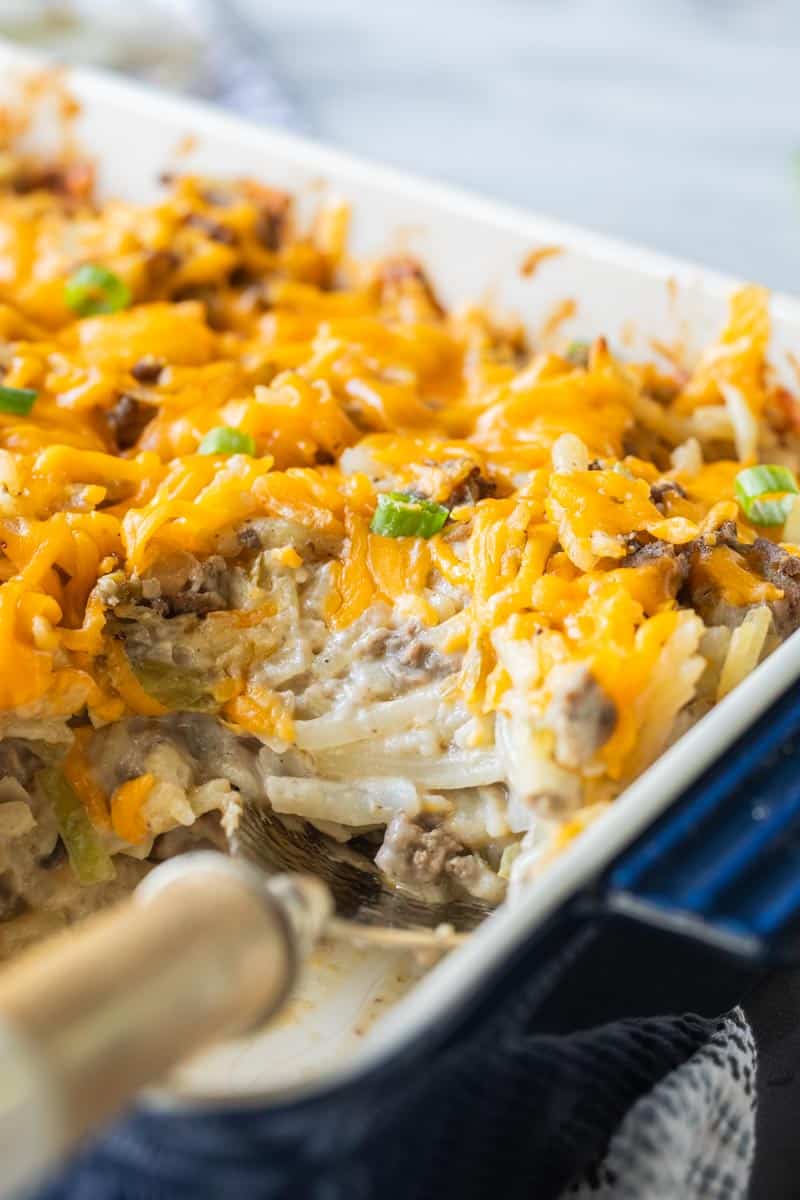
(669, 122)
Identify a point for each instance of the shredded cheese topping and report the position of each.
(352, 380)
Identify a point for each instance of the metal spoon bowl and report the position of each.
(368, 907)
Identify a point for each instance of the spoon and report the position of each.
(208, 946)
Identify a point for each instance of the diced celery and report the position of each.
(171, 686)
(88, 857)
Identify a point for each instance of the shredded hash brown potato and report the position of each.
(189, 618)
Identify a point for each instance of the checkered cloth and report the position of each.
(238, 72)
(208, 48)
(692, 1135)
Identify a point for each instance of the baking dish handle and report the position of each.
(723, 864)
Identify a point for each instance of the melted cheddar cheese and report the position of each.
(351, 379)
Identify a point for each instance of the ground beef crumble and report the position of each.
(418, 854)
(581, 714)
(128, 419)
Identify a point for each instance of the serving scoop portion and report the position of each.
(208, 946)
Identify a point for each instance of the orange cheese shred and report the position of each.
(78, 771)
(127, 805)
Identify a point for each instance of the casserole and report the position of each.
(669, 300)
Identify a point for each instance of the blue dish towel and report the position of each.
(653, 1109)
(529, 1088)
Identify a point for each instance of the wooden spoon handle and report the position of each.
(204, 949)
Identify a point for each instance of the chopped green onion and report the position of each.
(766, 493)
(94, 289)
(755, 481)
(17, 400)
(88, 856)
(399, 515)
(577, 353)
(770, 512)
(224, 440)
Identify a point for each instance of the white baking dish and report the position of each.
(340, 1022)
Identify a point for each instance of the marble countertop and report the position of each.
(669, 122)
